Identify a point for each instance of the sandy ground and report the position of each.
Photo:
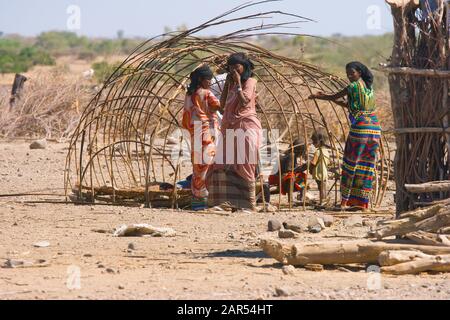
(212, 257)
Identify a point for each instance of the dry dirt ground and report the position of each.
(212, 257)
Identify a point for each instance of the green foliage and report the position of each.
(103, 70)
(16, 58)
(332, 54)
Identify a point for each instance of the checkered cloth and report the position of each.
(227, 187)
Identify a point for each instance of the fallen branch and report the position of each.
(422, 264)
(434, 186)
(331, 253)
(405, 226)
(427, 238)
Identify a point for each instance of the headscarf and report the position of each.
(199, 74)
(366, 74)
(241, 58)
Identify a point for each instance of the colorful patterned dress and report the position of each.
(200, 119)
(360, 155)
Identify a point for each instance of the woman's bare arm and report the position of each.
(329, 97)
(242, 98)
(224, 95)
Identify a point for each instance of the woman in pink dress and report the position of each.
(232, 180)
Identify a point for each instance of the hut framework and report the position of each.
(123, 147)
(418, 79)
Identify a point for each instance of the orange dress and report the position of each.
(201, 120)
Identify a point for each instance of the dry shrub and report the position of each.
(50, 106)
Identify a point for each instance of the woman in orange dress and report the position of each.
(200, 119)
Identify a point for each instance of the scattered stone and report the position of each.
(315, 224)
(110, 270)
(121, 287)
(293, 227)
(287, 234)
(38, 144)
(42, 244)
(354, 221)
(10, 263)
(87, 255)
(327, 220)
(138, 230)
(315, 229)
(274, 225)
(270, 208)
(101, 266)
(281, 292)
(288, 270)
(314, 267)
(131, 246)
(369, 223)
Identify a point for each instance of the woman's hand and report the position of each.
(236, 77)
(318, 95)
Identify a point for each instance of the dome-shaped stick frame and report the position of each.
(126, 142)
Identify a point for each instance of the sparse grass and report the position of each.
(50, 106)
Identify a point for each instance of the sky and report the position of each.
(147, 18)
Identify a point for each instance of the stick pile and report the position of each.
(425, 247)
(418, 81)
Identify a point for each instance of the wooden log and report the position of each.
(432, 73)
(445, 230)
(331, 253)
(413, 216)
(423, 213)
(439, 263)
(404, 227)
(434, 186)
(390, 258)
(427, 238)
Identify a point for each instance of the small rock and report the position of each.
(353, 221)
(288, 270)
(109, 270)
(87, 255)
(100, 266)
(121, 287)
(39, 144)
(327, 220)
(274, 225)
(42, 244)
(369, 223)
(131, 246)
(281, 292)
(287, 234)
(315, 224)
(314, 267)
(293, 227)
(316, 229)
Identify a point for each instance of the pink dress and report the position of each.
(243, 122)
